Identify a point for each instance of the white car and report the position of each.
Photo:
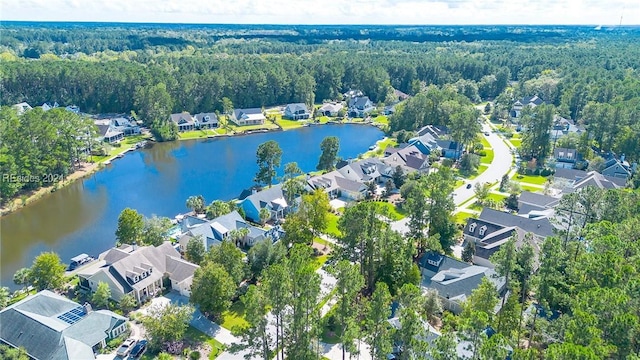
(126, 347)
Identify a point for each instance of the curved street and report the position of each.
(500, 165)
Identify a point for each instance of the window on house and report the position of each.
(483, 229)
(472, 227)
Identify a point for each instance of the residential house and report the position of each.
(127, 125)
(336, 186)
(400, 95)
(108, 132)
(493, 228)
(529, 202)
(47, 106)
(570, 180)
(330, 109)
(352, 94)
(565, 158)
(73, 108)
(366, 171)
(51, 327)
(360, 106)
(562, 127)
(271, 199)
(139, 271)
(297, 111)
(22, 107)
(244, 117)
(409, 158)
(206, 120)
(434, 138)
(455, 280)
(617, 168)
(531, 101)
(184, 121)
(214, 232)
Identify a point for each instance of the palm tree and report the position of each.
(265, 215)
(237, 235)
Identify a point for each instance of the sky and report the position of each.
(419, 12)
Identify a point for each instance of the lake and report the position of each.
(82, 217)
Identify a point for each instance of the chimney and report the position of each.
(87, 307)
(622, 158)
(134, 247)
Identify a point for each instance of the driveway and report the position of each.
(500, 165)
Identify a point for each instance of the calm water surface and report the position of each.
(82, 217)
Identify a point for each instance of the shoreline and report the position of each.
(89, 168)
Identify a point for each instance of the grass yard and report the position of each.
(233, 319)
(322, 241)
(482, 168)
(290, 124)
(198, 336)
(462, 216)
(530, 179)
(516, 142)
(382, 119)
(530, 188)
(488, 158)
(332, 226)
(485, 142)
(319, 261)
(394, 213)
(195, 134)
(267, 125)
(496, 197)
(381, 145)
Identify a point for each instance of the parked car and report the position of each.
(139, 349)
(125, 348)
(469, 186)
(486, 133)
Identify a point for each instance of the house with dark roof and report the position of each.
(565, 158)
(337, 186)
(184, 121)
(529, 202)
(245, 117)
(493, 228)
(435, 138)
(206, 120)
(617, 168)
(530, 101)
(360, 106)
(330, 109)
(51, 327)
(409, 158)
(297, 111)
(214, 232)
(272, 199)
(455, 280)
(139, 271)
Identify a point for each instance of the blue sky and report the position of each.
(602, 12)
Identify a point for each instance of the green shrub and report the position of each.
(194, 355)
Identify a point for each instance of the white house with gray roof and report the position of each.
(214, 232)
(206, 120)
(272, 199)
(330, 109)
(139, 271)
(244, 117)
(184, 121)
(360, 106)
(297, 111)
(51, 327)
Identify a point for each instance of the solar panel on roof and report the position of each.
(73, 316)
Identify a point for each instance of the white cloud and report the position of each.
(329, 11)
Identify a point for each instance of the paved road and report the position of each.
(501, 165)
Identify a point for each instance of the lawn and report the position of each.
(381, 146)
(462, 216)
(322, 241)
(394, 213)
(496, 197)
(332, 226)
(319, 261)
(195, 134)
(267, 125)
(289, 124)
(530, 179)
(515, 142)
(529, 188)
(485, 142)
(488, 158)
(382, 119)
(482, 168)
(198, 336)
(233, 319)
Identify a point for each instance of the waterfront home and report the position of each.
(214, 232)
(206, 120)
(184, 121)
(360, 106)
(271, 199)
(432, 138)
(409, 158)
(336, 186)
(297, 111)
(366, 170)
(51, 327)
(455, 280)
(244, 117)
(139, 271)
(108, 132)
(330, 109)
(22, 107)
